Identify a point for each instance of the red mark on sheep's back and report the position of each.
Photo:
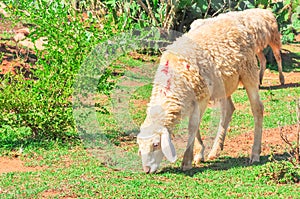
(168, 84)
(162, 92)
(166, 68)
(188, 67)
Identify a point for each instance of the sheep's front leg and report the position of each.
(227, 109)
(194, 122)
(257, 111)
(199, 157)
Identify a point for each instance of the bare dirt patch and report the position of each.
(271, 80)
(271, 142)
(56, 194)
(15, 165)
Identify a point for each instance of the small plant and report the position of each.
(293, 146)
(286, 171)
(281, 172)
(12, 138)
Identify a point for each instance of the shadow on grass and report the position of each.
(276, 87)
(223, 163)
(289, 55)
(290, 60)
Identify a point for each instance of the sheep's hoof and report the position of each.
(198, 158)
(213, 155)
(254, 158)
(281, 77)
(186, 167)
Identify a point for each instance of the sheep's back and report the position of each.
(201, 65)
(224, 44)
(261, 23)
(208, 57)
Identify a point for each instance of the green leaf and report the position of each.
(249, 4)
(286, 16)
(262, 2)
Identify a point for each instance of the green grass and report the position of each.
(71, 172)
(279, 108)
(68, 170)
(75, 174)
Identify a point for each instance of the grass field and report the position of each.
(72, 172)
(41, 153)
(75, 174)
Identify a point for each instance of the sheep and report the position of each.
(198, 67)
(263, 26)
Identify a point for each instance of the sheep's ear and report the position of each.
(167, 146)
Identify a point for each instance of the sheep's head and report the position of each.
(153, 146)
(154, 142)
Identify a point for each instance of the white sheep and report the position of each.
(262, 24)
(198, 67)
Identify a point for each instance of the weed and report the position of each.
(281, 172)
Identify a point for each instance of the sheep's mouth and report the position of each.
(147, 169)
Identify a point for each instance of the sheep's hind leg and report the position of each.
(262, 63)
(194, 122)
(276, 52)
(227, 109)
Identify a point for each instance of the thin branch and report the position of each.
(168, 18)
(208, 7)
(128, 14)
(293, 152)
(165, 19)
(143, 5)
(284, 138)
(151, 13)
(222, 8)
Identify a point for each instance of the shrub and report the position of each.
(120, 15)
(43, 101)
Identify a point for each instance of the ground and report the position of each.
(234, 147)
(12, 164)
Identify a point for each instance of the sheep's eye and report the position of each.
(155, 145)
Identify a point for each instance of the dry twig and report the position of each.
(294, 149)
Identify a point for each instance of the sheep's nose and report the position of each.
(146, 169)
